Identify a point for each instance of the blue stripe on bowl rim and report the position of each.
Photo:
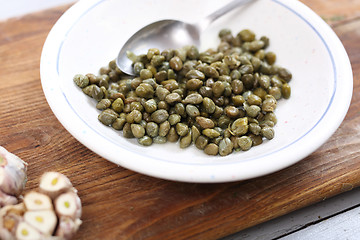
(213, 163)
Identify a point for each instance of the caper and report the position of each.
(244, 143)
(201, 142)
(285, 74)
(145, 141)
(145, 74)
(173, 98)
(185, 141)
(119, 123)
(81, 80)
(269, 104)
(107, 117)
(152, 129)
(176, 63)
(210, 133)
(192, 110)
(270, 57)
(194, 84)
(103, 104)
(240, 126)
(286, 91)
(218, 88)
(193, 98)
(159, 116)
(267, 132)
(164, 128)
(137, 130)
(225, 147)
(254, 128)
(134, 116)
(161, 92)
(195, 74)
(182, 129)
(127, 133)
(172, 136)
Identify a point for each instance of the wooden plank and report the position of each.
(301, 219)
(342, 226)
(121, 204)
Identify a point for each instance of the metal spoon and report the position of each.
(167, 34)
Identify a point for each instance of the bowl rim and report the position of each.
(198, 172)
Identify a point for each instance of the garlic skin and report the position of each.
(12, 173)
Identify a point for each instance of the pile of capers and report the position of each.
(222, 100)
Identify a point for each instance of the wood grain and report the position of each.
(121, 204)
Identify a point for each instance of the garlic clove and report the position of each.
(37, 201)
(44, 221)
(54, 183)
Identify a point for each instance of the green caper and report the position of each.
(195, 74)
(194, 84)
(134, 116)
(81, 80)
(210, 133)
(225, 147)
(267, 132)
(145, 74)
(107, 117)
(103, 104)
(173, 98)
(240, 126)
(119, 123)
(127, 133)
(145, 90)
(117, 105)
(201, 142)
(205, 122)
(145, 141)
(193, 98)
(161, 92)
(181, 129)
(218, 88)
(174, 119)
(211, 149)
(159, 116)
(176, 63)
(185, 141)
(152, 129)
(150, 106)
(164, 128)
(172, 136)
(270, 57)
(269, 104)
(244, 143)
(137, 130)
(254, 128)
(247, 35)
(192, 110)
(286, 91)
(285, 74)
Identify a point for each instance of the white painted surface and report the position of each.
(342, 217)
(316, 219)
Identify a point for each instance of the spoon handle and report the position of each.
(203, 24)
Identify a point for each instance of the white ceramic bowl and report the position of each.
(91, 33)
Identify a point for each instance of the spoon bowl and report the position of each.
(162, 34)
(165, 34)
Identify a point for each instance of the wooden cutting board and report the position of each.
(121, 204)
